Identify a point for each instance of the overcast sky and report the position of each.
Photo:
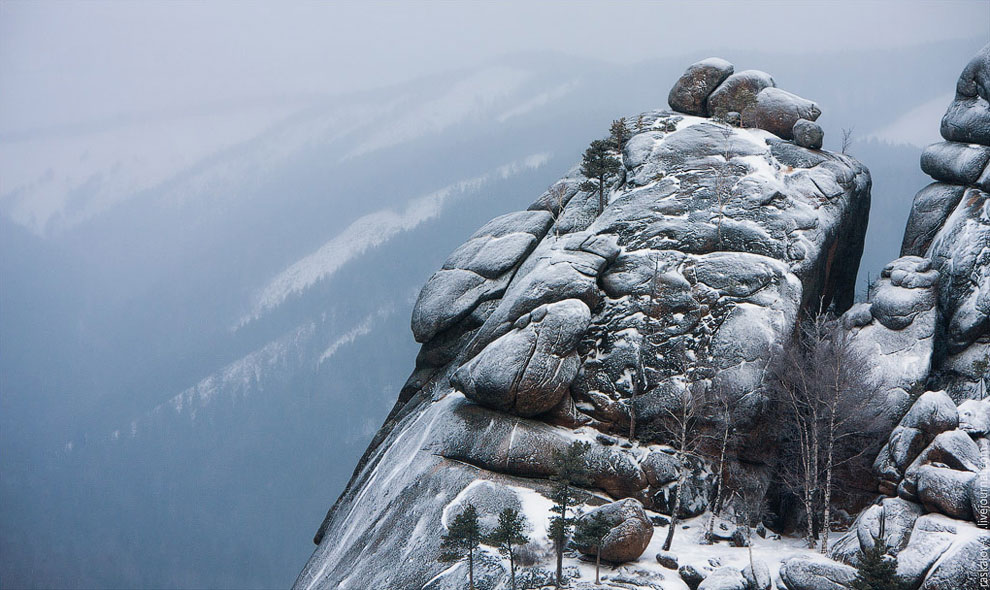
(64, 64)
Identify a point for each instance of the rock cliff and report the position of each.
(594, 313)
(561, 322)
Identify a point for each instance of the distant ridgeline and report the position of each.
(667, 338)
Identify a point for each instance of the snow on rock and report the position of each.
(559, 324)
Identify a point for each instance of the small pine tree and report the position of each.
(619, 133)
(508, 535)
(462, 538)
(877, 571)
(570, 470)
(599, 164)
(591, 532)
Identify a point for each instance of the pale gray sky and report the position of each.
(70, 63)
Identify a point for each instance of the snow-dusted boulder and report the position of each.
(814, 574)
(690, 93)
(808, 134)
(738, 92)
(724, 578)
(777, 111)
(968, 118)
(631, 530)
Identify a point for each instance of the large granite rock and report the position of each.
(810, 574)
(968, 118)
(690, 92)
(631, 531)
(713, 241)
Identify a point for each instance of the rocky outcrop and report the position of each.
(950, 225)
(559, 324)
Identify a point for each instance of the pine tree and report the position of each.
(570, 470)
(508, 535)
(877, 571)
(462, 538)
(619, 133)
(599, 164)
(591, 532)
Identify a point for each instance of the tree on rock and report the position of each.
(462, 538)
(599, 164)
(876, 570)
(619, 133)
(570, 470)
(591, 532)
(507, 536)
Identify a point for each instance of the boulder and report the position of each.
(758, 576)
(956, 163)
(660, 468)
(724, 578)
(931, 537)
(808, 134)
(934, 412)
(800, 573)
(974, 417)
(945, 490)
(777, 111)
(631, 531)
(899, 517)
(737, 92)
(690, 93)
(964, 566)
(667, 560)
(691, 575)
(528, 370)
(931, 206)
(967, 119)
(905, 445)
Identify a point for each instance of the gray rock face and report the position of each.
(777, 111)
(712, 243)
(974, 417)
(690, 92)
(896, 330)
(932, 205)
(631, 531)
(808, 134)
(758, 576)
(945, 490)
(805, 574)
(528, 370)
(691, 576)
(738, 92)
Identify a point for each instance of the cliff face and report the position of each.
(561, 322)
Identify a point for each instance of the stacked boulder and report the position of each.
(950, 225)
(712, 88)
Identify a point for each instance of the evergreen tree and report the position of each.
(462, 538)
(508, 535)
(599, 164)
(591, 532)
(570, 470)
(876, 570)
(619, 133)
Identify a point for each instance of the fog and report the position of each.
(215, 217)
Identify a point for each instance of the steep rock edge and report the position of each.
(538, 318)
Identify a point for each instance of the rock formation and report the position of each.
(557, 324)
(725, 225)
(950, 225)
